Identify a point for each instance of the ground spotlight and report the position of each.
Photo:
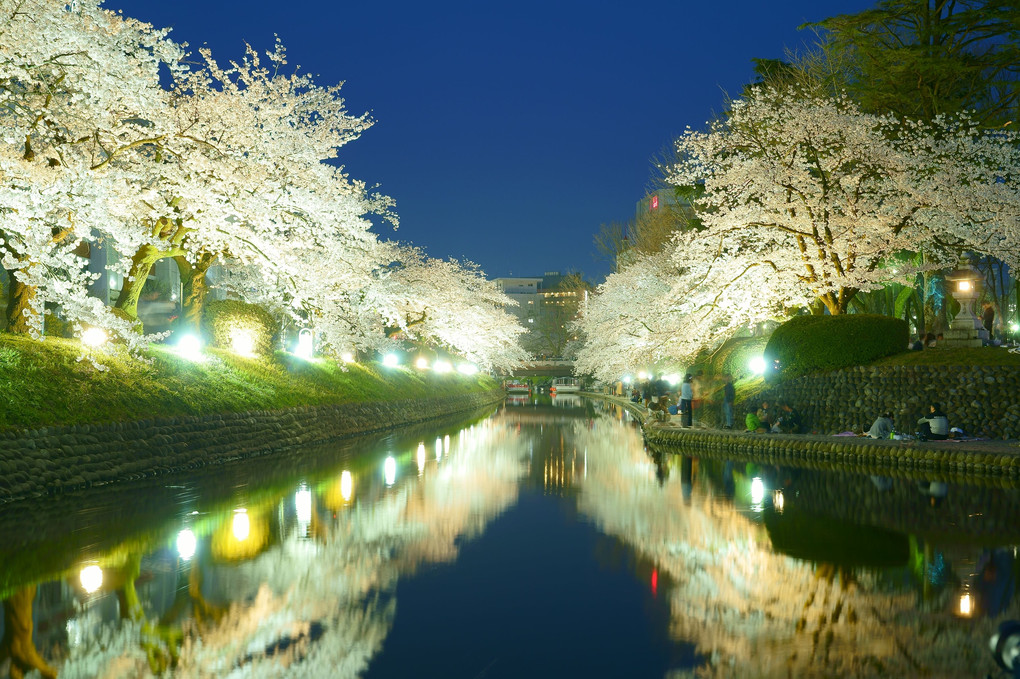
(757, 365)
(190, 347)
(391, 360)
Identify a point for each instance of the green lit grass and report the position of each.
(44, 383)
(977, 356)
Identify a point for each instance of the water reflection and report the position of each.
(292, 567)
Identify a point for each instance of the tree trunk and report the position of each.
(194, 289)
(17, 640)
(131, 291)
(19, 310)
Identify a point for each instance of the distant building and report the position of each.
(545, 307)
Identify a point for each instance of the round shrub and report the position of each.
(806, 344)
(225, 320)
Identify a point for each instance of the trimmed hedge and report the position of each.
(807, 344)
(221, 319)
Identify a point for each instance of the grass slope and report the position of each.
(44, 383)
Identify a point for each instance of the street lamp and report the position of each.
(965, 286)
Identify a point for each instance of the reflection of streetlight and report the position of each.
(390, 471)
(241, 526)
(346, 485)
(757, 490)
(439, 449)
(778, 501)
(303, 505)
(91, 578)
(421, 458)
(186, 544)
(966, 608)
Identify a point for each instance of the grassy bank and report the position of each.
(44, 383)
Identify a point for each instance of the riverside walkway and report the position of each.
(992, 462)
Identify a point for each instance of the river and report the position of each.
(540, 539)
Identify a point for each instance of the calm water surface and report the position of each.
(540, 540)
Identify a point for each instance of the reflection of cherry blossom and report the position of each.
(333, 598)
(757, 613)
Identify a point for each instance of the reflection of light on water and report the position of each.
(778, 501)
(390, 471)
(303, 505)
(346, 485)
(446, 444)
(757, 490)
(966, 605)
(421, 458)
(241, 525)
(186, 544)
(91, 578)
(439, 449)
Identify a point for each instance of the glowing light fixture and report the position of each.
(467, 368)
(390, 471)
(1015, 327)
(442, 366)
(347, 357)
(242, 342)
(305, 344)
(391, 360)
(241, 526)
(627, 379)
(757, 490)
(186, 544)
(94, 337)
(91, 578)
(672, 379)
(964, 286)
(190, 347)
(757, 365)
(422, 363)
(642, 375)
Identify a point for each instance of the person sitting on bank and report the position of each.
(787, 421)
(918, 344)
(766, 415)
(882, 427)
(934, 427)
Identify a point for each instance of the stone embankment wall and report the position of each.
(983, 401)
(54, 460)
(932, 461)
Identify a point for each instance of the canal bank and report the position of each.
(59, 459)
(985, 462)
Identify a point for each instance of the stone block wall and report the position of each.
(53, 460)
(983, 401)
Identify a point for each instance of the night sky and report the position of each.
(508, 132)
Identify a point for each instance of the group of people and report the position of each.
(934, 426)
(690, 398)
(781, 418)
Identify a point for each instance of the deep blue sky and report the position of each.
(508, 132)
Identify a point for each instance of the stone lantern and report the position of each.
(966, 329)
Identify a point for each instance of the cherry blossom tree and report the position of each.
(79, 88)
(823, 193)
